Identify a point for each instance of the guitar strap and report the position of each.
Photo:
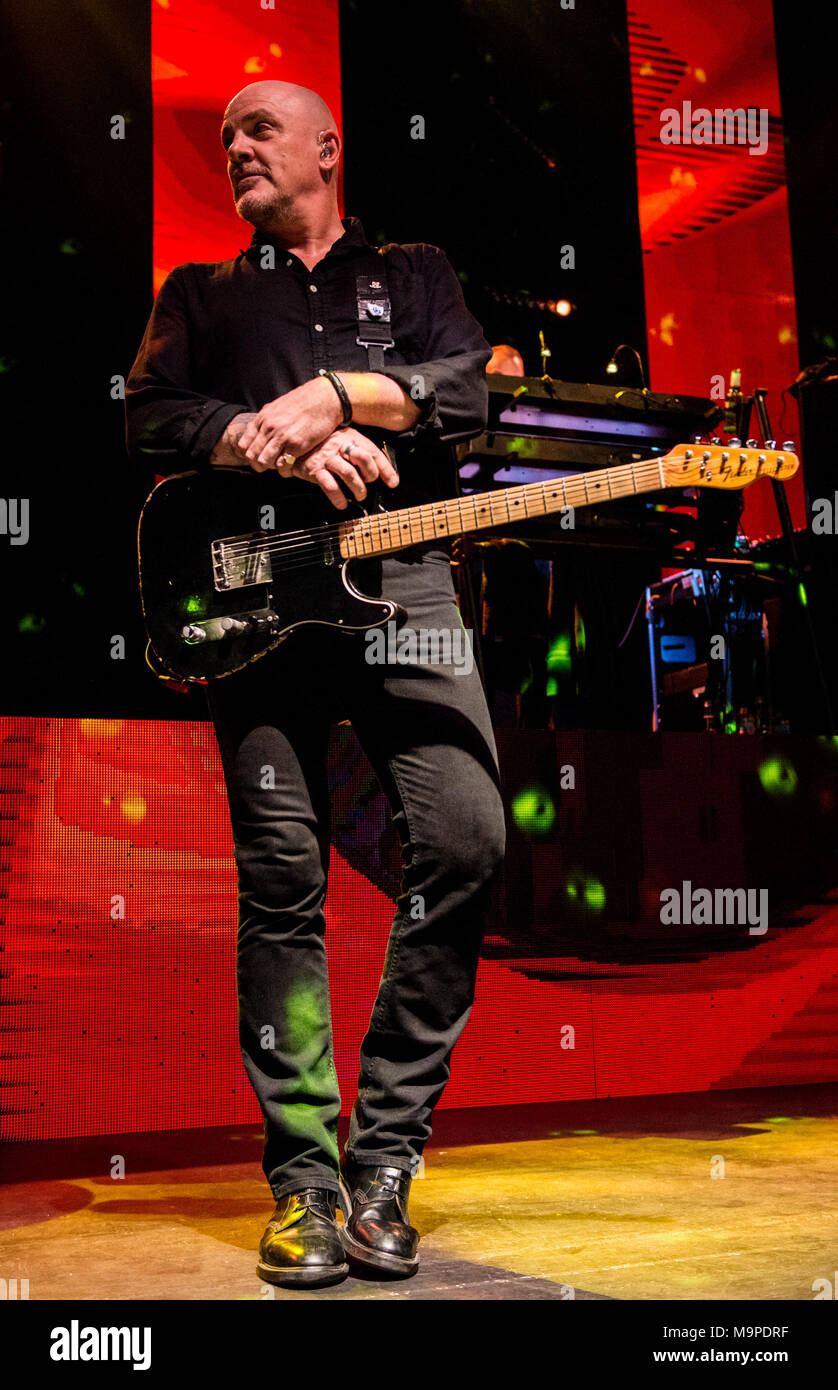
(373, 300)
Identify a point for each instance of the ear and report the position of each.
(330, 147)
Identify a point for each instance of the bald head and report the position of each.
(283, 149)
(299, 104)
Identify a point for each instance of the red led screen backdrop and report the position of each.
(714, 217)
(203, 52)
(119, 909)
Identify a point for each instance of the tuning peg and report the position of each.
(770, 443)
(734, 442)
(715, 439)
(789, 445)
(751, 444)
(696, 439)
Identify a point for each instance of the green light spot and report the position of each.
(594, 895)
(802, 595)
(778, 777)
(522, 448)
(78, 590)
(31, 622)
(552, 687)
(585, 888)
(778, 1120)
(558, 656)
(304, 1017)
(192, 604)
(533, 810)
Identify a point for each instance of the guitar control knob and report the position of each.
(233, 625)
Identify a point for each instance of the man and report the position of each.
(232, 373)
(505, 359)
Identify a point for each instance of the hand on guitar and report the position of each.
(294, 423)
(347, 455)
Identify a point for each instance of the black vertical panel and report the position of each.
(807, 63)
(77, 290)
(528, 147)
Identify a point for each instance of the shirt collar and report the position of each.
(353, 239)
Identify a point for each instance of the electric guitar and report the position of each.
(221, 586)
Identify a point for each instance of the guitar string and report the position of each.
(286, 543)
(652, 464)
(287, 538)
(290, 554)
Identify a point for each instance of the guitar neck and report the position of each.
(382, 533)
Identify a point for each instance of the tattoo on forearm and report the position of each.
(238, 424)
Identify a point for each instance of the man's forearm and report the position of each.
(379, 401)
(225, 454)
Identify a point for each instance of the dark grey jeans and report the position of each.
(426, 730)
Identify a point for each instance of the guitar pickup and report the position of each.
(240, 561)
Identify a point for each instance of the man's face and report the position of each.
(272, 155)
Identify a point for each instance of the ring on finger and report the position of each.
(347, 450)
(289, 460)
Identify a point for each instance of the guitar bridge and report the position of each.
(241, 561)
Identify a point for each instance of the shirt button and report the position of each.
(313, 289)
(318, 327)
(289, 261)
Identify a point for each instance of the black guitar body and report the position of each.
(210, 610)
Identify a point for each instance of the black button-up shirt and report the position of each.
(226, 337)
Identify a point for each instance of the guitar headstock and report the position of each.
(730, 465)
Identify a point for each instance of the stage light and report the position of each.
(558, 656)
(778, 777)
(612, 365)
(533, 810)
(583, 888)
(563, 308)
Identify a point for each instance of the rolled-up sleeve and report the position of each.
(168, 426)
(450, 385)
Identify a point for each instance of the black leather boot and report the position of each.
(301, 1246)
(378, 1234)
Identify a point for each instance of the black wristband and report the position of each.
(343, 394)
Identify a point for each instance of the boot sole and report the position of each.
(305, 1277)
(376, 1259)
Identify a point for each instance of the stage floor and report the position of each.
(609, 1199)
